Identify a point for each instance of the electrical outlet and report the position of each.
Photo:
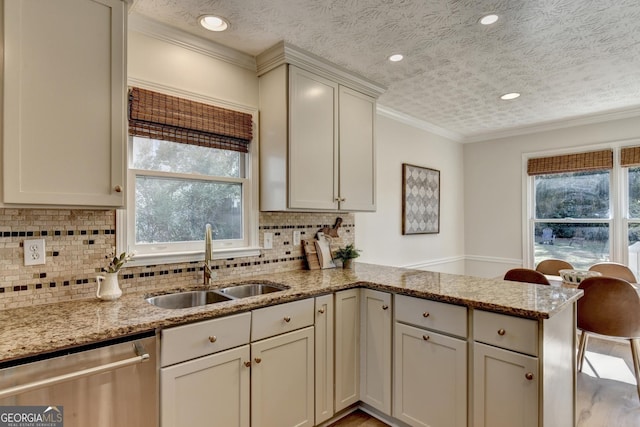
(268, 241)
(34, 252)
(296, 238)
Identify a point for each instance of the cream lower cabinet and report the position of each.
(430, 368)
(505, 388)
(205, 373)
(282, 380)
(375, 349)
(208, 391)
(524, 370)
(324, 358)
(347, 348)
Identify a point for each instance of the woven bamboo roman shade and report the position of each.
(593, 160)
(630, 156)
(159, 116)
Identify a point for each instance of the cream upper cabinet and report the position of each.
(64, 102)
(317, 135)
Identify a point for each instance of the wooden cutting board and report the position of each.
(312, 255)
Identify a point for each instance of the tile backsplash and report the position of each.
(77, 241)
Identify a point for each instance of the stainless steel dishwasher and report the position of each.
(110, 384)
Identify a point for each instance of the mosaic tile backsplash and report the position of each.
(77, 241)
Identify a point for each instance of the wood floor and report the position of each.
(607, 394)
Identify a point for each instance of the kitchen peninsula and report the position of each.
(491, 321)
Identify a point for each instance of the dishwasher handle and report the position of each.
(141, 356)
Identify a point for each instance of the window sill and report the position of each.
(196, 256)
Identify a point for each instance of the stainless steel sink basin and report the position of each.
(187, 299)
(250, 290)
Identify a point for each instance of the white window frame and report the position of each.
(618, 192)
(170, 253)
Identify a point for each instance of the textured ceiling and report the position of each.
(568, 58)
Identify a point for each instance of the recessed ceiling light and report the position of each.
(213, 23)
(509, 96)
(489, 19)
(396, 57)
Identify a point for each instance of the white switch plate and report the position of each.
(296, 238)
(268, 240)
(34, 252)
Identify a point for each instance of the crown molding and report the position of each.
(418, 123)
(286, 53)
(163, 32)
(607, 116)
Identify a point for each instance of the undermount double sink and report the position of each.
(187, 299)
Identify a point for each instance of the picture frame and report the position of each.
(420, 200)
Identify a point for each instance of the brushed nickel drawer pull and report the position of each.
(425, 314)
(213, 338)
(257, 360)
(247, 364)
(426, 337)
(529, 376)
(501, 332)
(287, 319)
(384, 307)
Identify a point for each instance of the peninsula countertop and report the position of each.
(41, 329)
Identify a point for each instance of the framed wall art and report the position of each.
(420, 200)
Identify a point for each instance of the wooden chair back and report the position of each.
(553, 266)
(526, 275)
(614, 269)
(610, 306)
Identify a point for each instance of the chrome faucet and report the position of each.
(207, 255)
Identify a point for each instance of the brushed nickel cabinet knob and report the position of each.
(501, 332)
(247, 364)
(384, 307)
(257, 360)
(321, 311)
(287, 319)
(425, 314)
(426, 337)
(117, 189)
(213, 338)
(529, 376)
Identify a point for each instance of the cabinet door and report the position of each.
(64, 102)
(282, 380)
(505, 391)
(324, 358)
(313, 139)
(430, 380)
(357, 151)
(375, 349)
(347, 361)
(211, 390)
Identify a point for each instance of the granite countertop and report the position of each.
(45, 328)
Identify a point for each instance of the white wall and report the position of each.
(166, 64)
(493, 189)
(379, 234)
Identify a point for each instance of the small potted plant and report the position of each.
(347, 254)
(108, 287)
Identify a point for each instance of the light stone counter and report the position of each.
(45, 328)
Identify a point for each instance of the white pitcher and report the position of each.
(108, 288)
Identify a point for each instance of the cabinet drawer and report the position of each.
(439, 316)
(270, 321)
(512, 333)
(198, 339)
